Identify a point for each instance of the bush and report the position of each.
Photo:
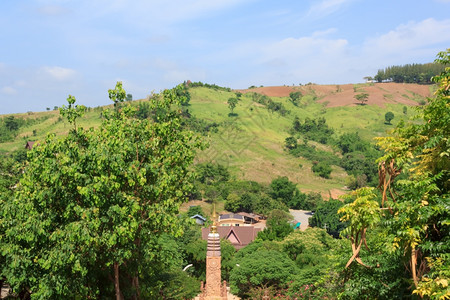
(326, 216)
(388, 117)
(322, 169)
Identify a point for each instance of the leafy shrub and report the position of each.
(388, 117)
(322, 169)
(313, 129)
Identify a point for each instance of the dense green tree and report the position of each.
(11, 123)
(195, 210)
(358, 160)
(295, 97)
(313, 129)
(278, 226)
(85, 218)
(232, 102)
(210, 173)
(350, 142)
(312, 201)
(326, 217)
(281, 188)
(418, 211)
(143, 110)
(388, 117)
(265, 204)
(183, 94)
(313, 252)
(322, 169)
(261, 269)
(410, 73)
(290, 142)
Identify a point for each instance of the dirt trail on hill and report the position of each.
(344, 95)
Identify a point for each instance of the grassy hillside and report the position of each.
(251, 142)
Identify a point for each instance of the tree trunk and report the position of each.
(413, 265)
(116, 280)
(136, 287)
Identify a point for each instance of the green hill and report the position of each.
(251, 142)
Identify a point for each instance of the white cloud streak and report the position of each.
(409, 38)
(59, 73)
(327, 7)
(8, 90)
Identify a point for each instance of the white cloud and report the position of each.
(160, 13)
(52, 10)
(294, 50)
(326, 7)
(409, 38)
(324, 32)
(9, 90)
(59, 73)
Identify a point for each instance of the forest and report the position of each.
(95, 213)
(410, 73)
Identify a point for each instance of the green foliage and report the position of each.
(362, 97)
(326, 216)
(351, 142)
(413, 228)
(322, 169)
(207, 85)
(286, 191)
(96, 199)
(312, 251)
(410, 73)
(11, 123)
(295, 97)
(313, 200)
(261, 268)
(250, 196)
(265, 204)
(209, 173)
(8, 128)
(199, 125)
(143, 110)
(313, 129)
(117, 95)
(196, 210)
(271, 105)
(72, 112)
(278, 226)
(314, 155)
(388, 117)
(232, 102)
(290, 143)
(184, 95)
(358, 160)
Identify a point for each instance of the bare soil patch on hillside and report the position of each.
(344, 95)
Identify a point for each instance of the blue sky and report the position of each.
(51, 49)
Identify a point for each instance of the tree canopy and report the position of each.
(87, 213)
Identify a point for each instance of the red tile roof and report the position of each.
(239, 236)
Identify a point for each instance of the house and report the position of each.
(29, 145)
(239, 236)
(231, 220)
(250, 218)
(200, 220)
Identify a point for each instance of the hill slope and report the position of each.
(251, 142)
